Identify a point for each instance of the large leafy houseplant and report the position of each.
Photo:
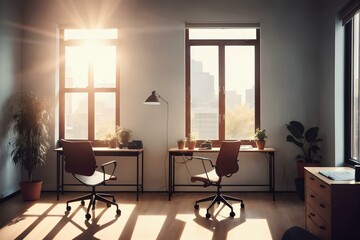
(307, 141)
(29, 117)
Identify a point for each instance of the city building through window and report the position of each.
(222, 83)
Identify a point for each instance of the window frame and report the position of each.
(349, 78)
(221, 45)
(90, 89)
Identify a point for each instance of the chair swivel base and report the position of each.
(93, 198)
(217, 198)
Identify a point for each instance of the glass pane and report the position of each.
(240, 92)
(76, 116)
(204, 80)
(104, 62)
(355, 99)
(222, 33)
(90, 34)
(76, 67)
(105, 114)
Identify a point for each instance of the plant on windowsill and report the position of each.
(260, 136)
(191, 141)
(30, 120)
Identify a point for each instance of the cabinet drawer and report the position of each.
(319, 205)
(318, 186)
(316, 224)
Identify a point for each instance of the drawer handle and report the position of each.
(312, 214)
(322, 186)
(322, 205)
(312, 196)
(311, 178)
(319, 226)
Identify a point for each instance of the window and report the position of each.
(222, 83)
(349, 15)
(89, 89)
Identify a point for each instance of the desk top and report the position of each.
(217, 149)
(106, 151)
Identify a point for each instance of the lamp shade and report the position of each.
(152, 99)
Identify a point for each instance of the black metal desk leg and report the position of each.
(137, 177)
(170, 177)
(57, 175)
(272, 155)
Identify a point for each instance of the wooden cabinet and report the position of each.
(332, 208)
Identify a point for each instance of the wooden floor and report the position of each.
(152, 217)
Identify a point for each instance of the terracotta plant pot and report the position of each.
(300, 167)
(31, 191)
(191, 145)
(260, 144)
(181, 145)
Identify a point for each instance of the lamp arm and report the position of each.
(163, 99)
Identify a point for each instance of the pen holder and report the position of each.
(357, 173)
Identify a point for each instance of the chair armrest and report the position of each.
(113, 162)
(204, 159)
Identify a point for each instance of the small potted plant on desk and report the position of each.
(181, 143)
(124, 135)
(260, 136)
(308, 142)
(112, 139)
(191, 141)
(30, 121)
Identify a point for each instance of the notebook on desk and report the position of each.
(345, 175)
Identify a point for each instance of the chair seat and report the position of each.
(96, 179)
(213, 177)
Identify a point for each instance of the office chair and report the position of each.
(81, 163)
(226, 165)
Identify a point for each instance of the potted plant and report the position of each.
(260, 136)
(308, 142)
(30, 119)
(181, 143)
(112, 139)
(124, 135)
(191, 141)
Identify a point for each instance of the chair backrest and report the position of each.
(79, 157)
(227, 162)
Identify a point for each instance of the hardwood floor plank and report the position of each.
(152, 217)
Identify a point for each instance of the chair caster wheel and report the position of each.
(208, 215)
(118, 211)
(196, 206)
(232, 214)
(108, 205)
(242, 205)
(82, 202)
(88, 216)
(68, 208)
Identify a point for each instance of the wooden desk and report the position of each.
(173, 152)
(102, 151)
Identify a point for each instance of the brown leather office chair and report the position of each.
(81, 163)
(226, 165)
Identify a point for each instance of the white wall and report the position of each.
(152, 58)
(9, 67)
